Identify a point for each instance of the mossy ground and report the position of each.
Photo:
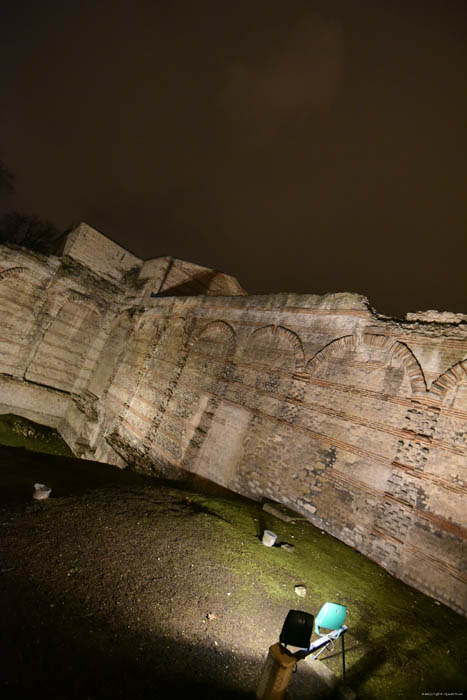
(125, 588)
(400, 642)
(16, 431)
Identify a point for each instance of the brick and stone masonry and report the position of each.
(355, 420)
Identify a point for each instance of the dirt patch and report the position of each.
(111, 595)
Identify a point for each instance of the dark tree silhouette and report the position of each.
(29, 232)
(7, 179)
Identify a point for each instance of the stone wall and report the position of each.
(355, 420)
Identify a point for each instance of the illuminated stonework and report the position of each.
(356, 420)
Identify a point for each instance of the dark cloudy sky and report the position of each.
(301, 146)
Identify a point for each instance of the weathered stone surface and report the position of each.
(352, 419)
(173, 277)
(436, 317)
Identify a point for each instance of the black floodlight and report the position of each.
(297, 629)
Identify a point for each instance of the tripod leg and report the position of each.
(343, 660)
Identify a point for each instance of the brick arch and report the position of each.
(264, 330)
(394, 348)
(379, 342)
(78, 298)
(448, 380)
(404, 354)
(12, 272)
(82, 339)
(107, 363)
(292, 338)
(296, 344)
(225, 329)
(56, 302)
(347, 342)
(187, 403)
(18, 327)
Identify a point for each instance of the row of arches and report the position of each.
(391, 349)
(171, 401)
(132, 358)
(166, 391)
(58, 303)
(54, 334)
(56, 300)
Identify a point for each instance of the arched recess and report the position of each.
(392, 349)
(220, 425)
(401, 352)
(18, 297)
(129, 402)
(277, 347)
(63, 357)
(296, 345)
(213, 329)
(110, 356)
(448, 396)
(209, 351)
(57, 300)
(187, 407)
(346, 342)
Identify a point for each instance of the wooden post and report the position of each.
(276, 674)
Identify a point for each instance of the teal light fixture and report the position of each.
(330, 617)
(296, 632)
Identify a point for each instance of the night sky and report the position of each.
(301, 146)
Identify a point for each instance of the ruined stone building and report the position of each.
(355, 420)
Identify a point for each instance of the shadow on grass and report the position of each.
(198, 508)
(376, 656)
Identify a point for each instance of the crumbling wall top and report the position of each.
(436, 317)
(99, 253)
(174, 277)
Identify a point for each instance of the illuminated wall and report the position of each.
(354, 420)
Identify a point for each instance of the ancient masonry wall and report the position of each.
(354, 420)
